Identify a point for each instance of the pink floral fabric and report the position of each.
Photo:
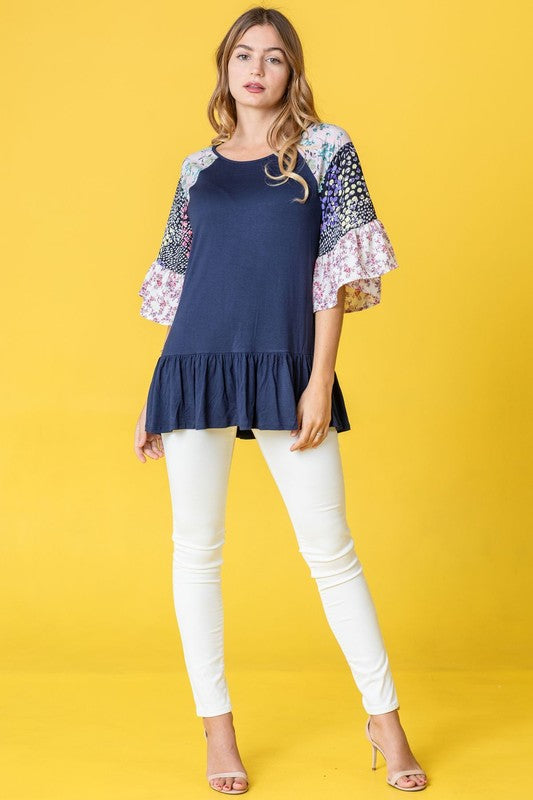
(357, 261)
(161, 292)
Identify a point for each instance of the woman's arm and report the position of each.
(314, 407)
(148, 444)
(328, 327)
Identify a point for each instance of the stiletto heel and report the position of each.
(394, 777)
(234, 774)
(374, 756)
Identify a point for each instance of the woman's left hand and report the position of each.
(314, 415)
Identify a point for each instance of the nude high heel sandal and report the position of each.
(395, 775)
(235, 774)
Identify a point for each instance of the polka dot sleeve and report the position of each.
(162, 285)
(354, 248)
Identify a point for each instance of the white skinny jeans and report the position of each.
(311, 483)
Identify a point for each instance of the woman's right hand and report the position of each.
(147, 444)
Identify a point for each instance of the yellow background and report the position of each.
(101, 103)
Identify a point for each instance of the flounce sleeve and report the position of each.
(163, 282)
(354, 248)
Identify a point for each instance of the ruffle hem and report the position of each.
(217, 390)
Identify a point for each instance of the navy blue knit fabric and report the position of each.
(240, 349)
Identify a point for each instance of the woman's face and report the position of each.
(259, 58)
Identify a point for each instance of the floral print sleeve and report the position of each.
(354, 249)
(162, 285)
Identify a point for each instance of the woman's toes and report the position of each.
(408, 781)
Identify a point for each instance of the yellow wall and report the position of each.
(102, 103)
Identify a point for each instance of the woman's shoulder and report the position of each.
(318, 134)
(320, 143)
(199, 157)
(193, 163)
(325, 134)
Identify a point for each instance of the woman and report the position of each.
(271, 238)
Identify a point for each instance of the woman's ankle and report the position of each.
(220, 722)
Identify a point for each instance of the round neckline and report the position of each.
(244, 161)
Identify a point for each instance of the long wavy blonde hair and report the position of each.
(297, 109)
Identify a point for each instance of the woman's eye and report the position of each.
(271, 58)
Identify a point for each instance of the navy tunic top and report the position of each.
(239, 277)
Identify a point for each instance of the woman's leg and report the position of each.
(198, 467)
(311, 483)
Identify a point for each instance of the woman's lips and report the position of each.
(252, 88)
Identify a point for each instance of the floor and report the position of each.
(85, 736)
